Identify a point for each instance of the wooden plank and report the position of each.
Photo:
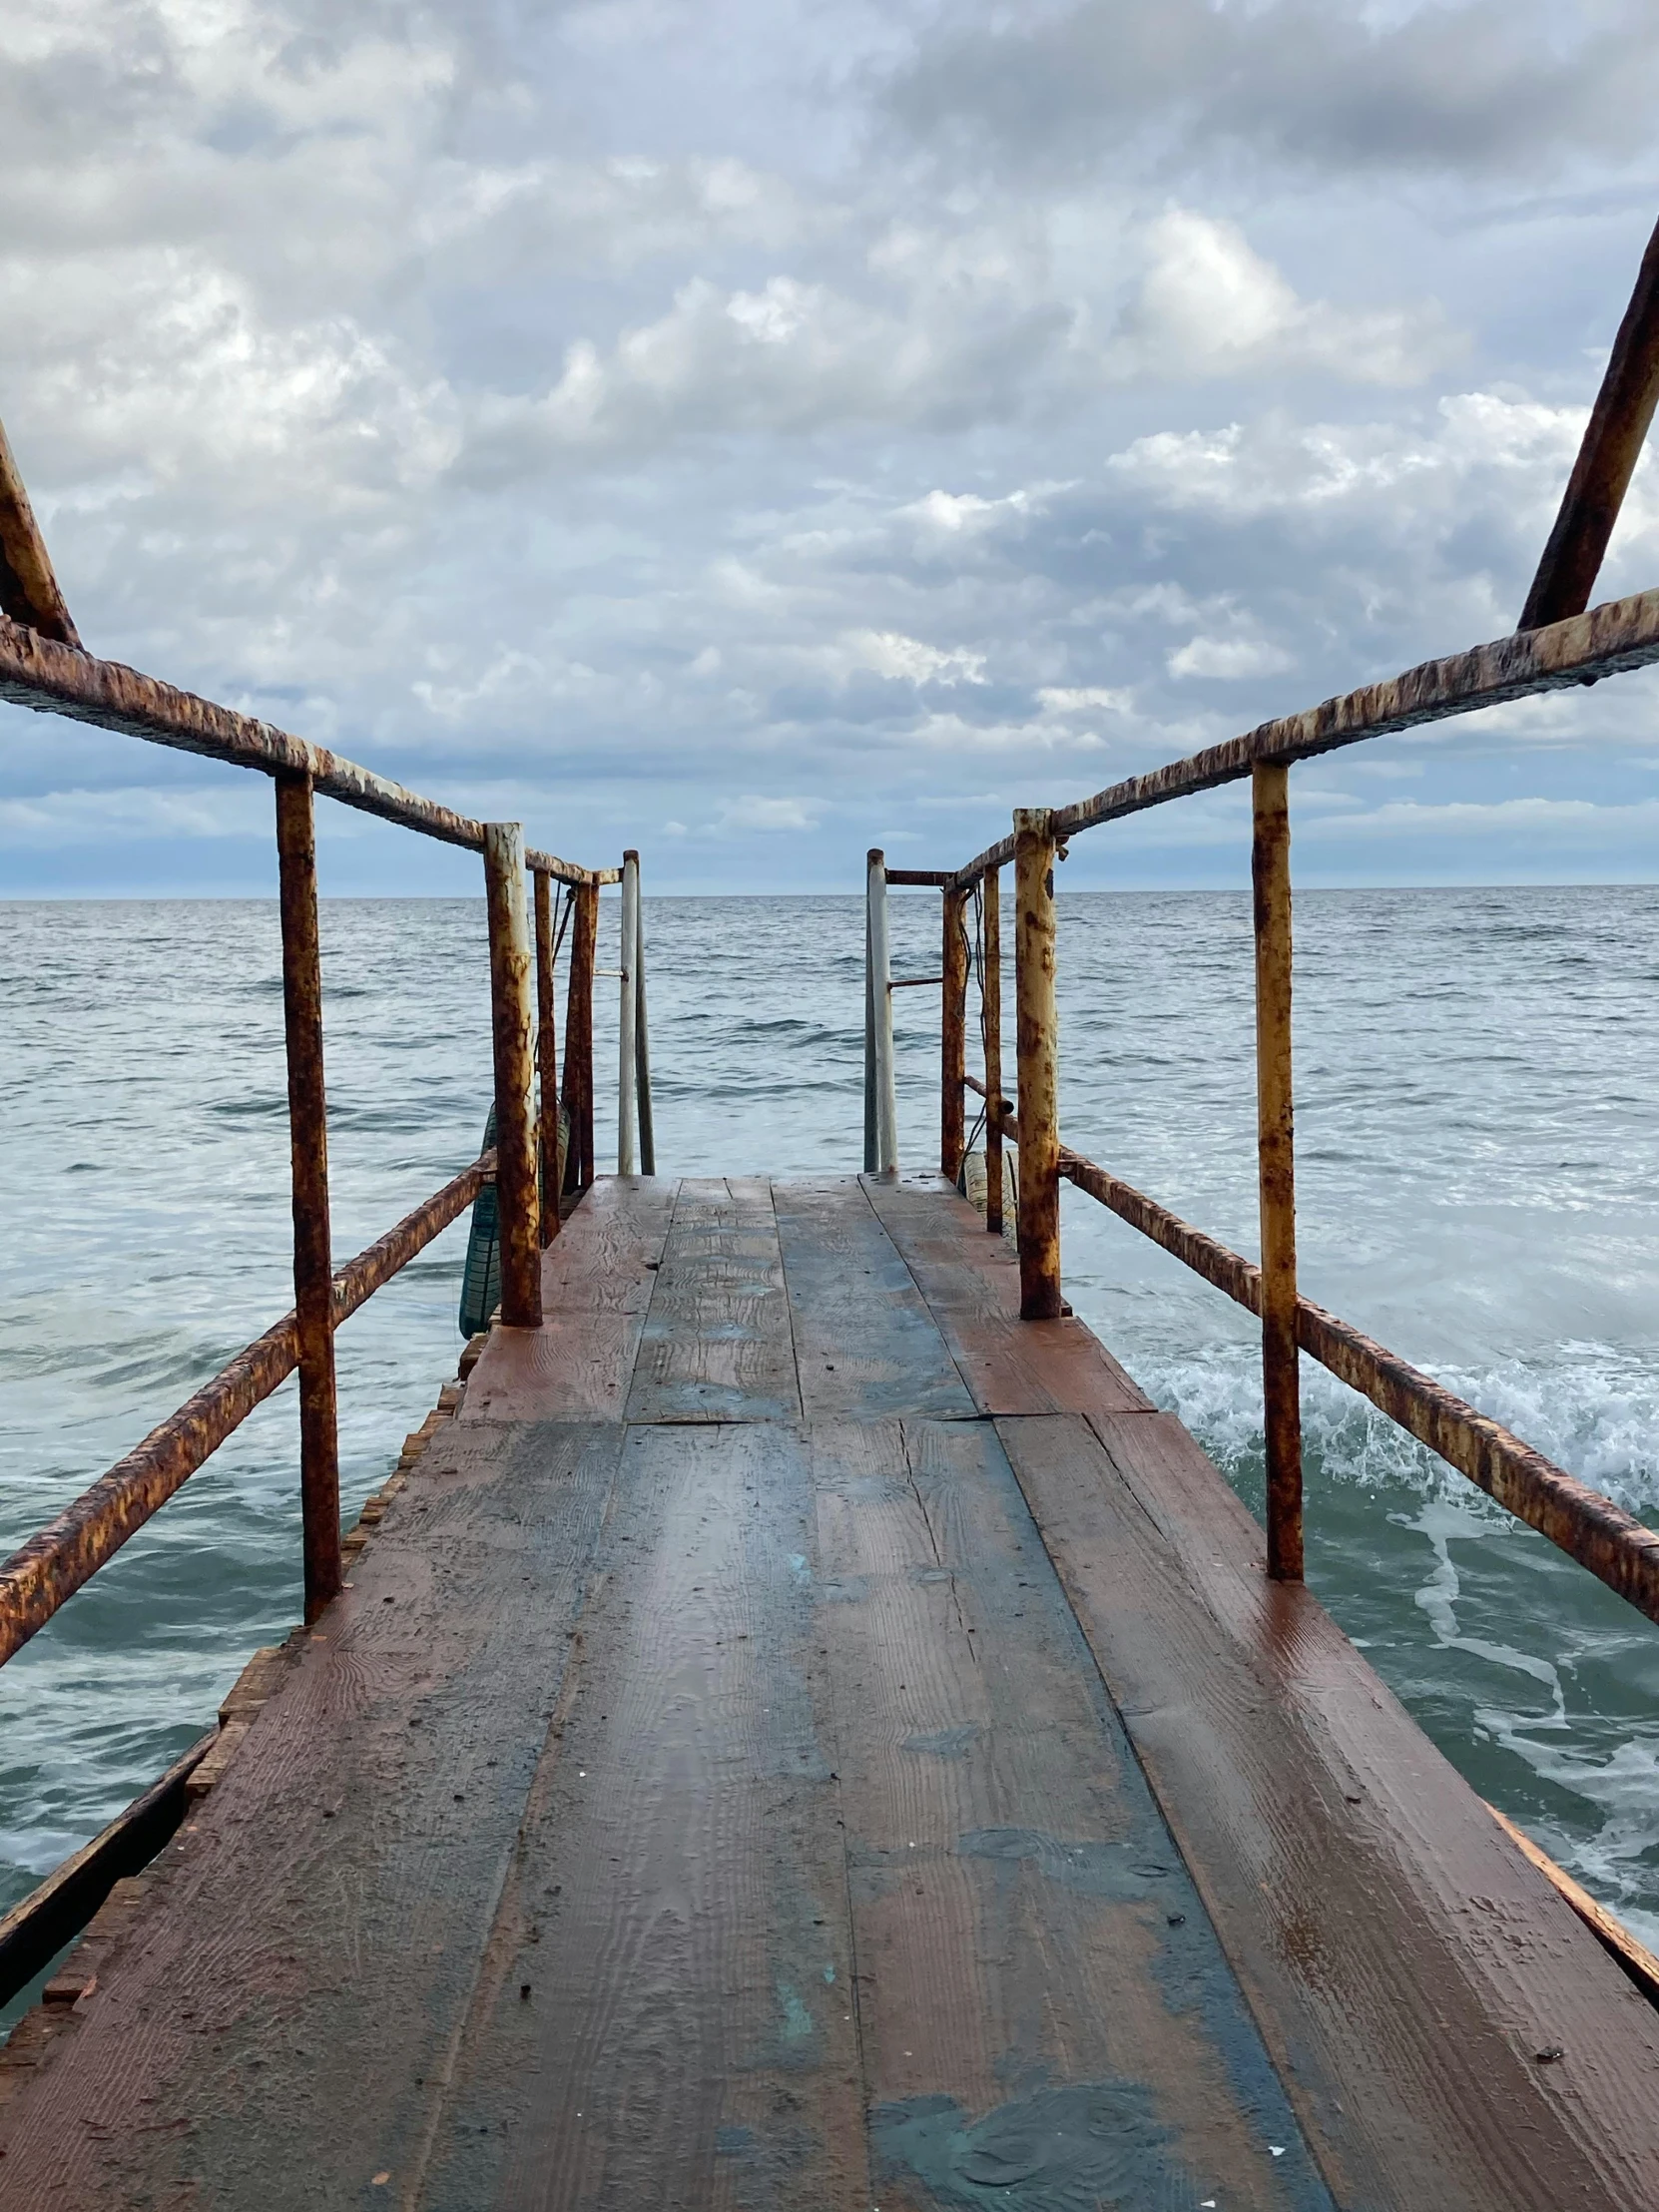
(54, 1912)
(716, 1343)
(666, 2018)
(1046, 2017)
(971, 1284)
(1450, 2034)
(865, 1346)
(282, 2015)
(597, 1277)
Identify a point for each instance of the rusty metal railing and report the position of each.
(1561, 641)
(44, 666)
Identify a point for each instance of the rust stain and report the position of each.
(1580, 1521)
(53, 1565)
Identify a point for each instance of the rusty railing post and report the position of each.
(577, 1084)
(627, 1078)
(991, 1016)
(954, 967)
(313, 1290)
(547, 1061)
(882, 1102)
(1037, 1047)
(1271, 881)
(512, 1021)
(642, 1037)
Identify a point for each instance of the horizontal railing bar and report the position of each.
(41, 674)
(920, 879)
(995, 856)
(914, 983)
(52, 1566)
(1580, 1521)
(1619, 635)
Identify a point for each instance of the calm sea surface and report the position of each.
(1478, 1178)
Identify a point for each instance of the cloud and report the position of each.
(1477, 88)
(1228, 658)
(598, 412)
(1209, 306)
(753, 812)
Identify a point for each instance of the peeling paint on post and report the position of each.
(1038, 1065)
(642, 1037)
(513, 1025)
(577, 1084)
(627, 1077)
(1276, 1156)
(880, 1018)
(308, 1151)
(547, 1061)
(991, 971)
(954, 967)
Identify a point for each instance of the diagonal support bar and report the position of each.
(1613, 441)
(28, 588)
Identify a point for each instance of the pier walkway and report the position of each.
(801, 1737)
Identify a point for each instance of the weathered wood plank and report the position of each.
(280, 2021)
(865, 1346)
(971, 1284)
(1407, 1964)
(597, 1277)
(716, 1343)
(1044, 2008)
(666, 2016)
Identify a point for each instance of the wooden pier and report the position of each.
(802, 1737)
(800, 1729)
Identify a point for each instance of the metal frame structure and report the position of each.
(1561, 641)
(44, 666)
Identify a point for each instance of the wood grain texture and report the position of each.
(288, 2004)
(717, 1344)
(971, 1285)
(749, 1807)
(1046, 2012)
(867, 1347)
(1407, 1964)
(597, 1277)
(670, 2021)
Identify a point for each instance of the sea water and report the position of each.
(1477, 1181)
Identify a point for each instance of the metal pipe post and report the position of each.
(547, 1060)
(991, 1011)
(642, 1037)
(869, 1035)
(1276, 1151)
(880, 998)
(626, 1077)
(578, 1083)
(1036, 1032)
(513, 1023)
(954, 967)
(313, 1289)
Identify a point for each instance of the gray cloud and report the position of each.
(1468, 86)
(595, 413)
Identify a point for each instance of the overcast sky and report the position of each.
(754, 429)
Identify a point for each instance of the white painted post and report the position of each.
(626, 1073)
(641, 1041)
(880, 1008)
